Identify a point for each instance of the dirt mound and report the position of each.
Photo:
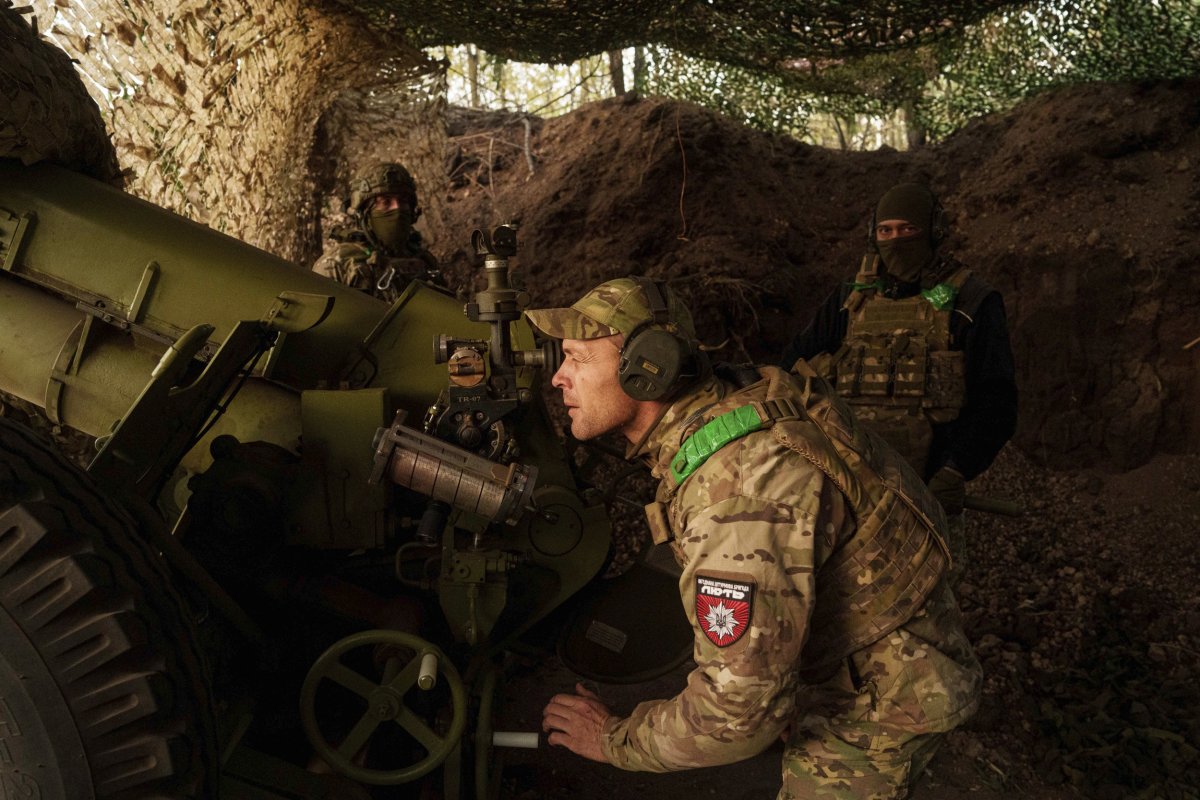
(1077, 205)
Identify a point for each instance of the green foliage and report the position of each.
(1018, 53)
(988, 67)
(545, 89)
(857, 98)
(759, 99)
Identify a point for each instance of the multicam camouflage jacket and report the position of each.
(357, 264)
(813, 578)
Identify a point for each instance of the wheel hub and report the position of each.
(386, 703)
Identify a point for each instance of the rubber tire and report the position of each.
(102, 687)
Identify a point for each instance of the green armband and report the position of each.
(715, 434)
(941, 296)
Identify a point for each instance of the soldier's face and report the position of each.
(895, 229)
(592, 394)
(391, 202)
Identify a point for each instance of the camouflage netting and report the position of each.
(249, 115)
(45, 113)
(214, 108)
(753, 33)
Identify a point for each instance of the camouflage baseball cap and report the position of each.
(616, 306)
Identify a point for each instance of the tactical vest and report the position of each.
(874, 582)
(896, 369)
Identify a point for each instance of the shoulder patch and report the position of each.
(723, 608)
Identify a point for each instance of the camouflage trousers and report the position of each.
(830, 768)
(956, 541)
(869, 730)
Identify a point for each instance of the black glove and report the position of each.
(950, 489)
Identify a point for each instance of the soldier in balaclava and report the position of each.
(918, 346)
(381, 252)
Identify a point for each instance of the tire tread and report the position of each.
(97, 601)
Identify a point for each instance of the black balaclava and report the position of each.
(906, 259)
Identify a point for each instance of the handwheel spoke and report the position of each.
(405, 679)
(419, 730)
(358, 737)
(344, 676)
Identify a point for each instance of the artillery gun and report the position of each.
(304, 541)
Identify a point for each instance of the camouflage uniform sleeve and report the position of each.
(741, 695)
(348, 264)
(328, 265)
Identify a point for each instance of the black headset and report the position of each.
(655, 359)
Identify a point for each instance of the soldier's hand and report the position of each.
(950, 489)
(576, 721)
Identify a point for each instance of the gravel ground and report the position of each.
(1086, 614)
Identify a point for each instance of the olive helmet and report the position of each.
(383, 178)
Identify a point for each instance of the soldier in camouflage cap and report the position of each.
(647, 335)
(614, 307)
(813, 571)
(381, 252)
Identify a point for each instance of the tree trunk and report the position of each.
(473, 73)
(841, 134)
(585, 84)
(616, 71)
(501, 83)
(639, 70)
(914, 131)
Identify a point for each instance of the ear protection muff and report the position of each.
(937, 224)
(655, 360)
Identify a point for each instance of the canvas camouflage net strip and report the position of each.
(213, 108)
(757, 33)
(249, 115)
(45, 114)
